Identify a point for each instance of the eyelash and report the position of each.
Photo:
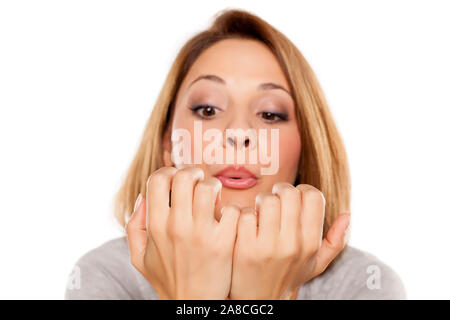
(281, 116)
(195, 108)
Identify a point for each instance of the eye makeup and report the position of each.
(272, 110)
(273, 115)
(204, 111)
(269, 108)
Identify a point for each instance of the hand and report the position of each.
(279, 245)
(181, 249)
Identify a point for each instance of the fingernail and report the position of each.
(138, 202)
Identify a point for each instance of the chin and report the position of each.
(245, 198)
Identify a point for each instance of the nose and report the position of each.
(239, 132)
(240, 138)
(232, 141)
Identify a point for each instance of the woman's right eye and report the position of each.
(204, 111)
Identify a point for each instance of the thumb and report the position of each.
(137, 233)
(333, 243)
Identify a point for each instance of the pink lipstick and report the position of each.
(236, 177)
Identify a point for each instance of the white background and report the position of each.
(78, 81)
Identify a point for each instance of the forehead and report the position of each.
(240, 62)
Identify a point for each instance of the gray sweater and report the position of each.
(106, 273)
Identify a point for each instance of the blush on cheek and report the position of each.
(290, 148)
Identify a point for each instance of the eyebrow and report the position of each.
(262, 86)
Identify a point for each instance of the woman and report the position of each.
(214, 229)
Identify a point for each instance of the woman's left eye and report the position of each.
(273, 116)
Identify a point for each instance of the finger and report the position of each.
(158, 191)
(137, 233)
(247, 231)
(229, 221)
(205, 195)
(268, 207)
(183, 185)
(333, 243)
(312, 214)
(290, 209)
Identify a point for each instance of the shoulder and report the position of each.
(106, 272)
(355, 274)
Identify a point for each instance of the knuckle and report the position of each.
(160, 176)
(214, 181)
(246, 218)
(177, 237)
(188, 174)
(182, 177)
(200, 240)
(196, 171)
(284, 187)
(216, 250)
(313, 195)
(251, 258)
(265, 257)
(291, 251)
(177, 232)
(203, 188)
(164, 171)
(337, 245)
(167, 170)
(231, 208)
(287, 192)
(209, 186)
(268, 199)
(266, 253)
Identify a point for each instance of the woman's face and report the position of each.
(235, 99)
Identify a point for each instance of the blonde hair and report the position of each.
(323, 161)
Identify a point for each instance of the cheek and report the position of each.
(185, 126)
(290, 148)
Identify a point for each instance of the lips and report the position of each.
(236, 177)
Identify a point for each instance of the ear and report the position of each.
(167, 148)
